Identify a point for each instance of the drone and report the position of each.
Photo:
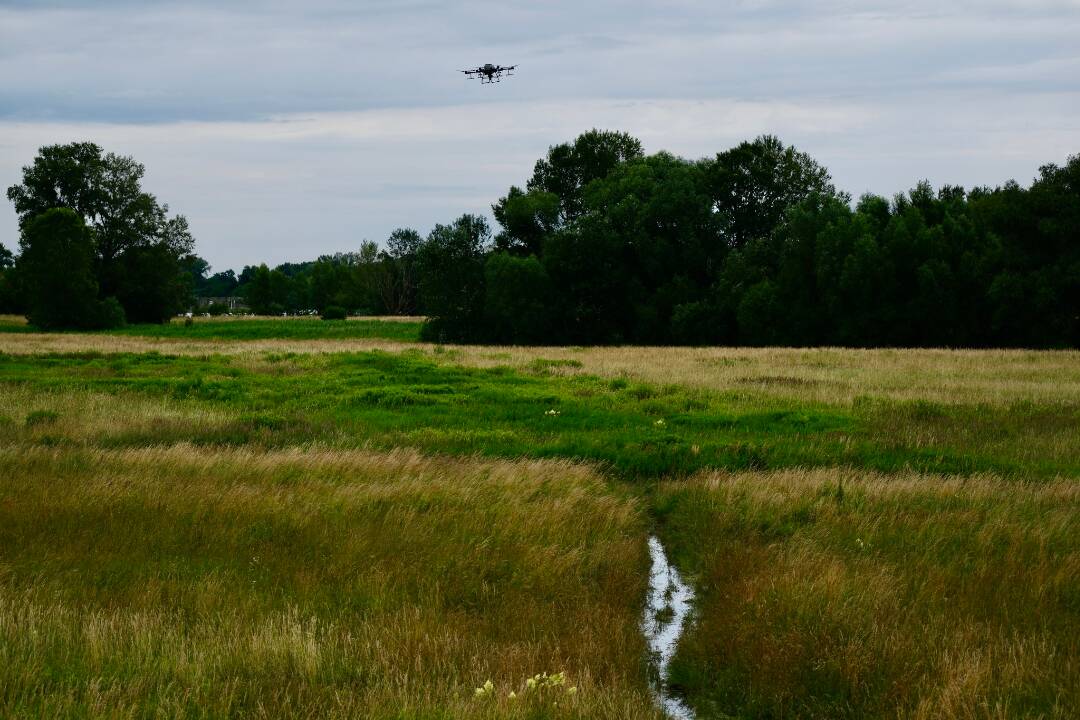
(490, 73)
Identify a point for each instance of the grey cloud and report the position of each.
(285, 129)
(168, 61)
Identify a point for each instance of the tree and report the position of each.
(56, 265)
(594, 296)
(659, 212)
(222, 284)
(106, 190)
(196, 270)
(526, 218)
(570, 167)
(760, 315)
(518, 299)
(398, 282)
(327, 284)
(155, 287)
(10, 296)
(450, 273)
(554, 195)
(755, 183)
(259, 291)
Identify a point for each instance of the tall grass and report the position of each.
(313, 583)
(833, 594)
(827, 375)
(228, 527)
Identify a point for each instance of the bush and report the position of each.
(333, 312)
(110, 314)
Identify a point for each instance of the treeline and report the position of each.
(368, 282)
(755, 246)
(602, 245)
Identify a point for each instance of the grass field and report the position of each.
(841, 593)
(286, 521)
(403, 329)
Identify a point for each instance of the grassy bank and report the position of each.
(841, 594)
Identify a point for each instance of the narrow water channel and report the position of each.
(666, 611)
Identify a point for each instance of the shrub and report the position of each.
(333, 312)
(110, 314)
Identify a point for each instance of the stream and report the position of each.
(667, 608)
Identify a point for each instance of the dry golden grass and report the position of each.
(313, 583)
(838, 593)
(35, 416)
(833, 375)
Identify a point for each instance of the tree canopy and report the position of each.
(58, 238)
(136, 247)
(756, 246)
(604, 244)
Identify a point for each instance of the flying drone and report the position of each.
(490, 73)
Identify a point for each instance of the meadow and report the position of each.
(277, 518)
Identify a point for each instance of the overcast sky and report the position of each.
(284, 130)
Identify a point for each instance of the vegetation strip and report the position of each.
(638, 430)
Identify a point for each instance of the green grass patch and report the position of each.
(637, 430)
(301, 328)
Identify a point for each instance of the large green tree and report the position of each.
(56, 268)
(555, 194)
(395, 277)
(450, 272)
(125, 221)
(755, 183)
(267, 292)
(518, 298)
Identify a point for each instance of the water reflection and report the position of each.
(666, 611)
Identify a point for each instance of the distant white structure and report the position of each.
(232, 302)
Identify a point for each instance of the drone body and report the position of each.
(490, 73)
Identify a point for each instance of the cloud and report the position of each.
(164, 61)
(284, 130)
